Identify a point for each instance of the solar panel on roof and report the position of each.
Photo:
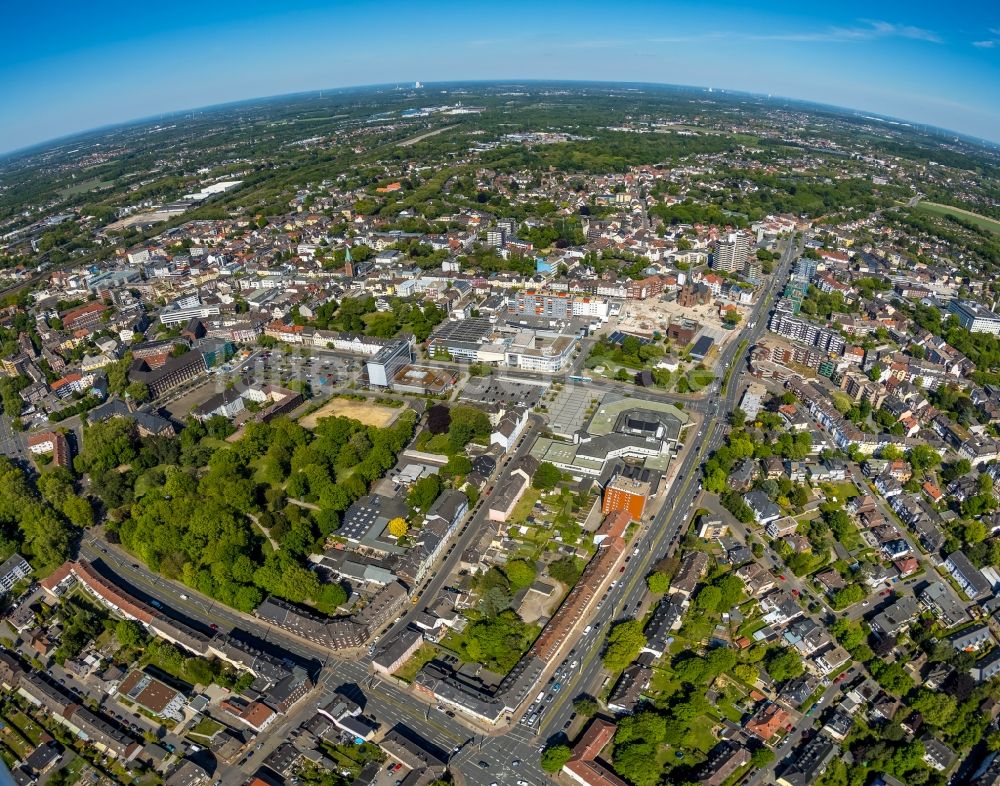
(618, 337)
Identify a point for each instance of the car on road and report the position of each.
(213, 626)
(557, 687)
(782, 578)
(484, 764)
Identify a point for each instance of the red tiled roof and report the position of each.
(615, 524)
(765, 724)
(57, 576)
(584, 765)
(594, 740)
(69, 378)
(82, 311)
(257, 713)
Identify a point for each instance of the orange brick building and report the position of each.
(626, 494)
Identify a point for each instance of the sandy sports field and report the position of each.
(368, 413)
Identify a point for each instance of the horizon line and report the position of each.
(6, 156)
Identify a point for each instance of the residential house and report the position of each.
(764, 511)
(808, 762)
(723, 760)
(893, 619)
(968, 576)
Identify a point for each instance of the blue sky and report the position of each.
(68, 67)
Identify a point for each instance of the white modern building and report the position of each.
(12, 571)
(974, 317)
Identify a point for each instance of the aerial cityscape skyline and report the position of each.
(89, 71)
(591, 394)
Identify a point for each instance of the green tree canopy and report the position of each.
(546, 477)
(625, 641)
(555, 756)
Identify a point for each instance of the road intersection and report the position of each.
(392, 704)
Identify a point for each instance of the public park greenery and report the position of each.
(31, 524)
(219, 517)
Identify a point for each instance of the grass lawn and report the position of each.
(699, 379)
(750, 627)
(453, 643)
(167, 667)
(9, 757)
(524, 505)
(16, 745)
(808, 516)
(214, 444)
(74, 769)
(433, 443)
(700, 735)
(206, 727)
(82, 187)
(28, 728)
(728, 710)
(983, 222)
(664, 682)
(842, 491)
(408, 671)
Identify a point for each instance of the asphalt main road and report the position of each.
(390, 704)
(667, 529)
(12, 444)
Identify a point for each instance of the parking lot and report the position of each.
(503, 390)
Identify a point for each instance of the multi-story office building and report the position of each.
(533, 351)
(389, 360)
(974, 317)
